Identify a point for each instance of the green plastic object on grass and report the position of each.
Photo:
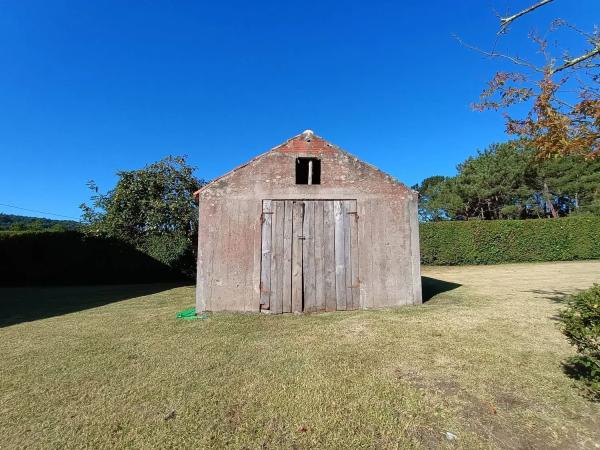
(190, 314)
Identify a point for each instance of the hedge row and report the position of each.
(504, 241)
(69, 257)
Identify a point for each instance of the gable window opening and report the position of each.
(308, 171)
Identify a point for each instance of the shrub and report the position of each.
(504, 241)
(173, 250)
(581, 324)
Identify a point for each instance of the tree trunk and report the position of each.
(549, 204)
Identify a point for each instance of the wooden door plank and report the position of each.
(347, 256)
(297, 219)
(308, 256)
(287, 258)
(319, 272)
(329, 256)
(265, 263)
(352, 216)
(355, 260)
(277, 257)
(340, 267)
(368, 272)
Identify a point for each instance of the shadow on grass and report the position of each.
(432, 287)
(554, 295)
(26, 304)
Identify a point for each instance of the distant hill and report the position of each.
(17, 223)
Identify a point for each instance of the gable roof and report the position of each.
(306, 142)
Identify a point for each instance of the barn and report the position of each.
(307, 227)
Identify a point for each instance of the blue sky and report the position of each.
(89, 88)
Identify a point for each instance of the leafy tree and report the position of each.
(488, 186)
(152, 208)
(17, 226)
(58, 227)
(493, 180)
(438, 200)
(31, 225)
(559, 87)
(571, 183)
(36, 225)
(24, 223)
(507, 181)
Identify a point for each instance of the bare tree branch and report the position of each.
(494, 54)
(521, 62)
(593, 38)
(555, 127)
(505, 21)
(574, 61)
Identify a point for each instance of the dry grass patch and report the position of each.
(482, 360)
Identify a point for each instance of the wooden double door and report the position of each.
(309, 256)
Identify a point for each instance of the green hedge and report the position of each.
(69, 257)
(504, 241)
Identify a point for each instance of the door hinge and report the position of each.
(262, 216)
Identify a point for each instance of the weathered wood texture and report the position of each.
(277, 257)
(340, 260)
(287, 258)
(308, 257)
(329, 257)
(299, 262)
(319, 263)
(415, 262)
(381, 240)
(347, 256)
(297, 218)
(265, 273)
(352, 275)
(200, 281)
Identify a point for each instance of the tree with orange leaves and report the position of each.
(563, 92)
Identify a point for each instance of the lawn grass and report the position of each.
(481, 359)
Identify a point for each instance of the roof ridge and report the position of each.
(308, 136)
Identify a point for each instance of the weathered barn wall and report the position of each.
(230, 225)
